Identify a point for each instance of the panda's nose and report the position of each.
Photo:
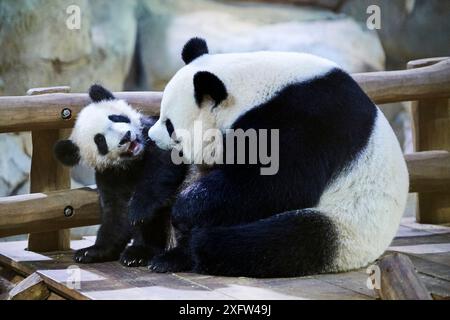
(126, 138)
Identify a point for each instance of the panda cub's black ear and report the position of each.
(208, 84)
(193, 49)
(99, 93)
(67, 152)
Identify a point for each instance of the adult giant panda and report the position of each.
(334, 204)
(134, 178)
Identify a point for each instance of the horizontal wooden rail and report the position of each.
(37, 112)
(28, 113)
(407, 85)
(39, 212)
(429, 171)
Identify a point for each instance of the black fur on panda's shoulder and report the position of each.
(98, 93)
(193, 49)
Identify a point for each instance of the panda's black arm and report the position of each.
(157, 186)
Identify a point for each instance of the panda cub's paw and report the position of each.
(174, 260)
(95, 254)
(136, 256)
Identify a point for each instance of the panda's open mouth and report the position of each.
(135, 147)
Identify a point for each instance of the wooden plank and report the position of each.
(431, 131)
(108, 280)
(46, 211)
(439, 289)
(32, 287)
(5, 286)
(420, 63)
(411, 222)
(274, 289)
(432, 269)
(355, 281)
(37, 91)
(407, 85)
(399, 280)
(47, 174)
(113, 281)
(44, 111)
(421, 240)
(429, 171)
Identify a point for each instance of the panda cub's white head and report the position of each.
(213, 90)
(107, 134)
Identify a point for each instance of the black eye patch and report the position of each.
(169, 127)
(100, 141)
(119, 118)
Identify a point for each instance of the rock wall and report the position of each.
(237, 27)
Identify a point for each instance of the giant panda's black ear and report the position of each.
(67, 152)
(206, 83)
(99, 93)
(193, 49)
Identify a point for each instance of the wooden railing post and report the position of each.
(431, 131)
(48, 175)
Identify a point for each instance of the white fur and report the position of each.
(93, 119)
(250, 79)
(367, 201)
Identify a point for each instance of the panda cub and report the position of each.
(134, 178)
(336, 200)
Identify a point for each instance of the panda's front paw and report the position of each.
(174, 260)
(136, 256)
(95, 254)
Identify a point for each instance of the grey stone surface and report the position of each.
(41, 51)
(410, 29)
(238, 27)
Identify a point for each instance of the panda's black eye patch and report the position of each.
(102, 146)
(169, 127)
(119, 118)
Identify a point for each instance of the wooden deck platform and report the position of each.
(428, 247)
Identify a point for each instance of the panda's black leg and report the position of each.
(149, 240)
(113, 234)
(177, 259)
(103, 250)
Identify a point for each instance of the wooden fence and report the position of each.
(51, 209)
